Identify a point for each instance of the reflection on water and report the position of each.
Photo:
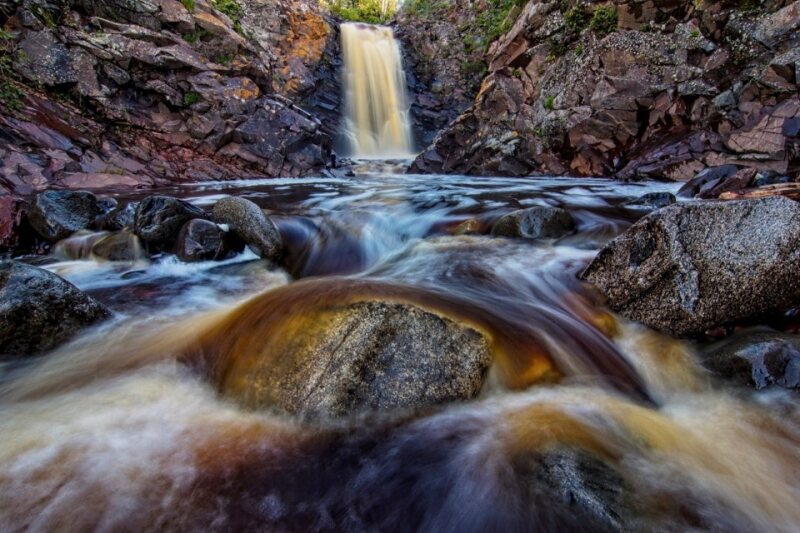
(122, 429)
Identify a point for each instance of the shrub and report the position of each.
(189, 5)
(191, 98)
(10, 94)
(549, 102)
(231, 8)
(577, 18)
(604, 21)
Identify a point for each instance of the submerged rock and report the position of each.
(687, 268)
(760, 359)
(39, 310)
(540, 222)
(249, 222)
(119, 246)
(357, 357)
(160, 218)
(56, 215)
(651, 201)
(202, 240)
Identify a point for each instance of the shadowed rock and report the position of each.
(651, 201)
(759, 359)
(119, 246)
(687, 268)
(249, 222)
(160, 218)
(202, 240)
(540, 222)
(39, 310)
(56, 215)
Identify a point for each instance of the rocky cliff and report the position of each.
(634, 89)
(140, 93)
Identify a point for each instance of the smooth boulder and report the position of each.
(540, 222)
(760, 359)
(119, 246)
(690, 267)
(55, 215)
(250, 224)
(39, 310)
(347, 358)
(202, 240)
(159, 219)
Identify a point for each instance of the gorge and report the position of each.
(490, 266)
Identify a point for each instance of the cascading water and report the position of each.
(376, 122)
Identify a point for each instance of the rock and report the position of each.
(759, 359)
(13, 210)
(712, 182)
(39, 310)
(361, 356)
(250, 224)
(651, 201)
(202, 240)
(120, 218)
(159, 219)
(687, 268)
(56, 215)
(119, 246)
(540, 222)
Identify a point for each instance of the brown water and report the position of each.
(125, 429)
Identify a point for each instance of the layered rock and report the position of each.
(652, 90)
(687, 268)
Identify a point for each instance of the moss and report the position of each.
(11, 94)
(473, 68)
(189, 5)
(196, 35)
(694, 34)
(224, 59)
(604, 20)
(231, 8)
(191, 98)
(579, 49)
(577, 18)
(549, 102)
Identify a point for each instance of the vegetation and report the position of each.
(189, 5)
(577, 18)
(604, 20)
(549, 102)
(232, 9)
(191, 98)
(498, 18)
(10, 94)
(196, 35)
(371, 11)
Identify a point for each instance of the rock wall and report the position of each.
(141, 93)
(655, 89)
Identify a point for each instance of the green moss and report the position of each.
(549, 102)
(577, 18)
(604, 20)
(224, 59)
(10, 93)
(196, 35)
(694, 34)
(579, 49)
(189, 5)
(231, 8)
(191, 98)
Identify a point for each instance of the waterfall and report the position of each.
(376, 122)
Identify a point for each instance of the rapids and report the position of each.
(126, 427)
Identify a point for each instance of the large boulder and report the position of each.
(159, 219)
(760, 359)
(119, 246)
(687, 268)
(202, 240)
(540, 222)
(56, 215)
(348, 358)
(39, 310)
(249, 223)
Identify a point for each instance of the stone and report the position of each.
(707, 180)
(690, 267)
(56, 215)
(348, 358)
(39, 310)
(120, 218)
(250, 224)
(119, 246)
(159, 219)
(540, 222)
(760, 359)
(651, 201)
(202, 240)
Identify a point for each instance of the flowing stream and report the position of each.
(123, 430)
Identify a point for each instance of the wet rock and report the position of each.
(762, 179)
(56, 215)
(120, 246)
(687, 268)
(759, 359)
(39, 310)
(360, 356)
(540, 222)
(202, 240)
(13, 211)
(250, 224)
(77, 246)
(120, 218)
(159, 219)
(651, 201)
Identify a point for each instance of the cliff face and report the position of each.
(653, 89)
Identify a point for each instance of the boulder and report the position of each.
(119, 218)
(56, 215)
(159, 219)
(202, 240)
(119, 246)
(689, 267)
(759, 359)
(250, 224)
(39, 310)
(540, 222)
(348, 358)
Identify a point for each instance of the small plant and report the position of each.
(563, 6)
(10, 94)
(517, 72)
(470, 68)
(196, 35)
(224, 59)
(189, 5)
(231, 8)
(694, 34)
(579, 49)
(577, 18)
(549, 102)
(555, 49)
(604, 21)
(191, 98)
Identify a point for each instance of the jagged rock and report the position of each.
(361, 356)
(250, 224)
(119, 246)
(759, 359)
(160, 218)
(712, 182)
(13, 211)
(120, 218)
(651, 201)
(540, 222)
(687, 268)
(201, 240)
(39, 310)
(56, 215)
